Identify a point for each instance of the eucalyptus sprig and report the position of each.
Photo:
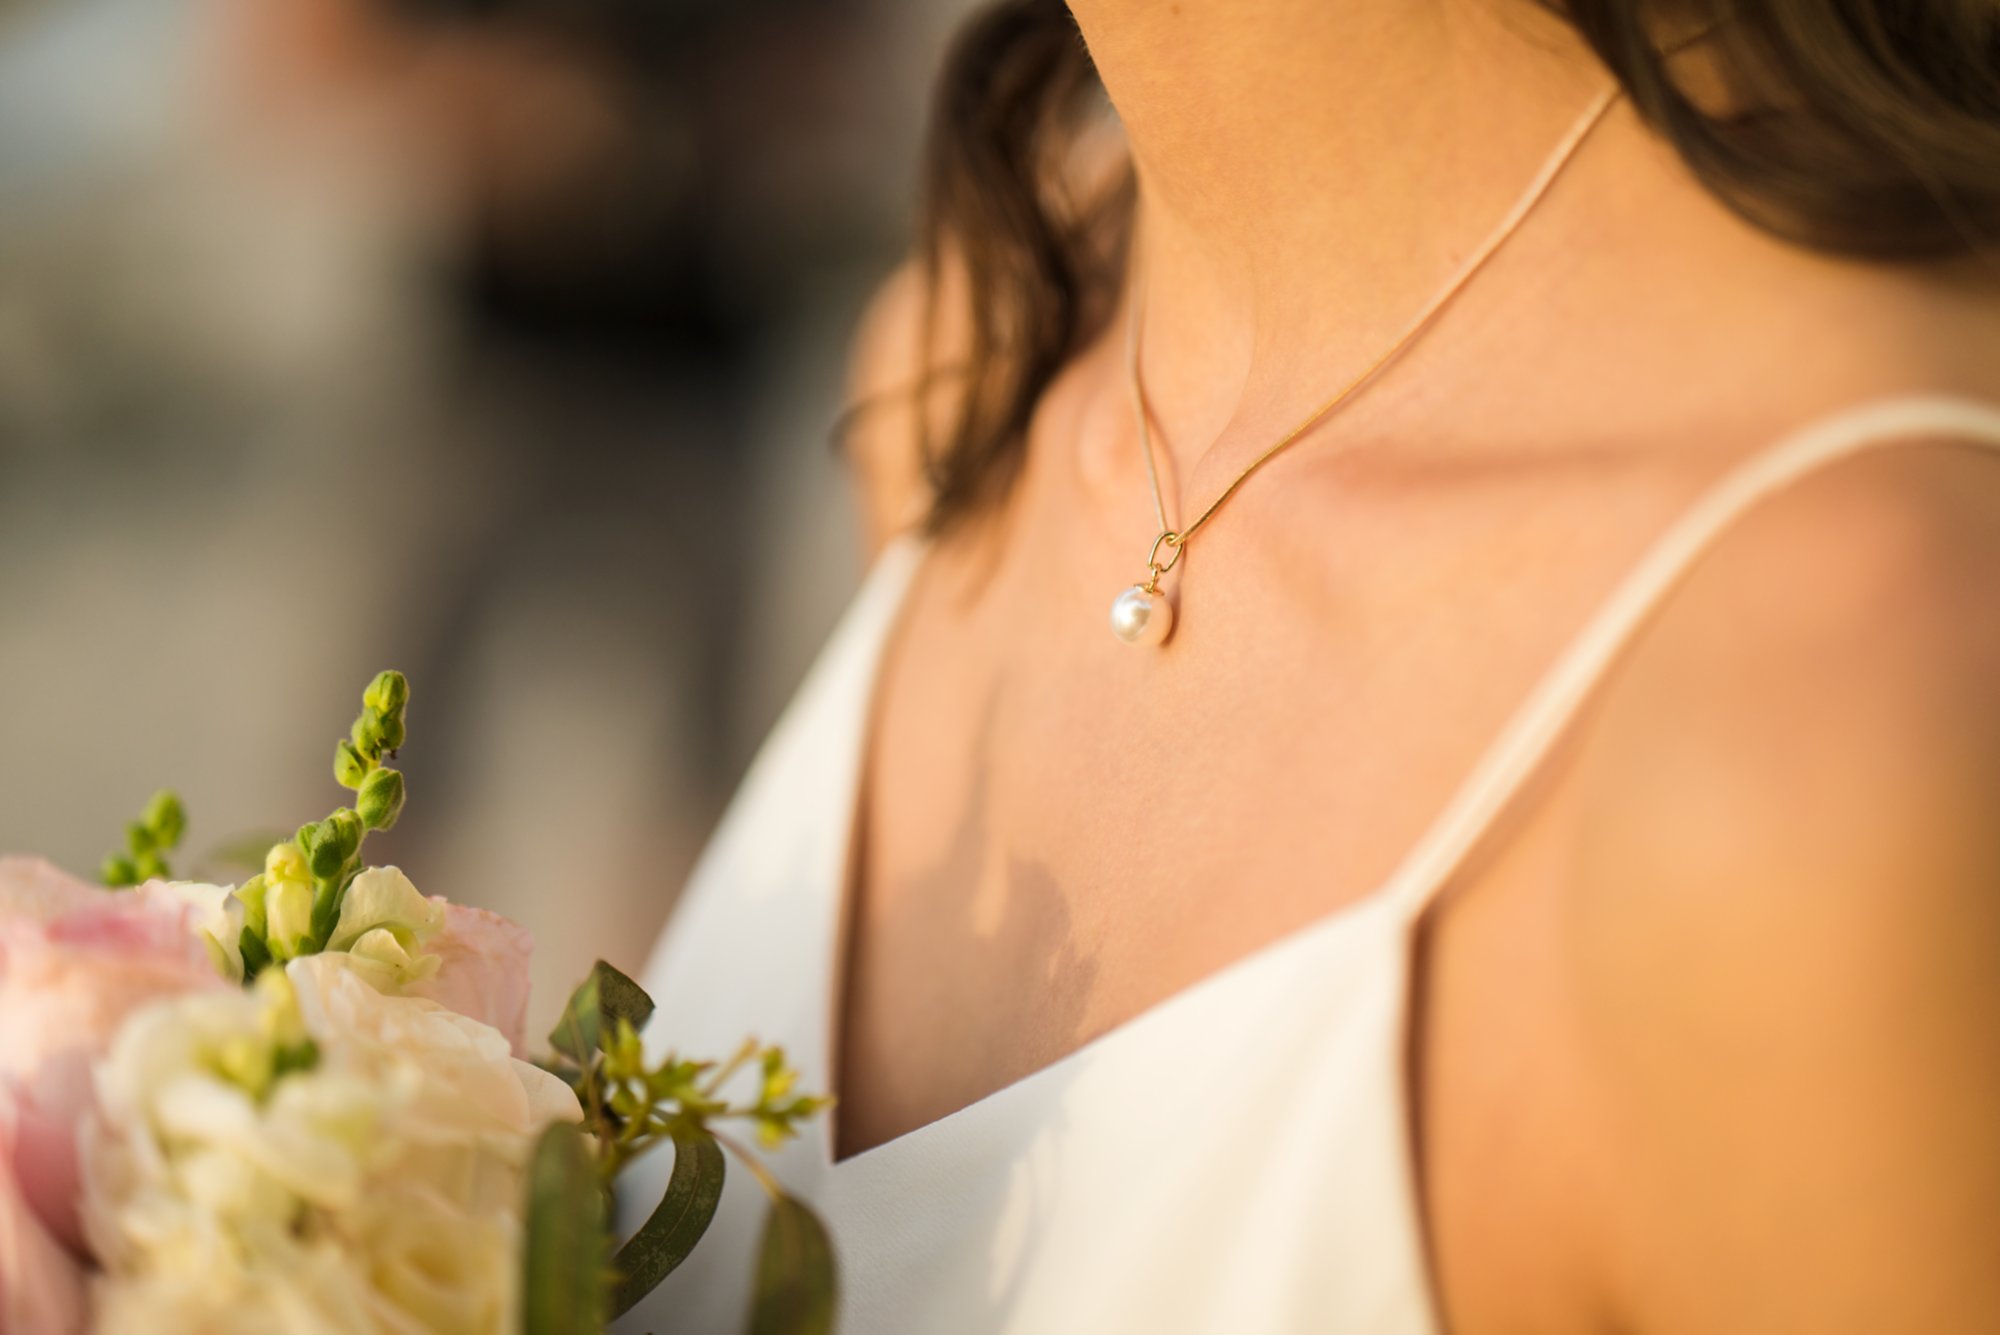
(148, 840)
(632, 1106)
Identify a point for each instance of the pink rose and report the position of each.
(75, 961)
(483, 969)
(37, 890)
(41, 1284)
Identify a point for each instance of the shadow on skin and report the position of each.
(989, 931)
(957, 914)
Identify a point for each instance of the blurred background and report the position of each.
(498, 341)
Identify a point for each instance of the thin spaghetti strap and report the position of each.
(1539, 722)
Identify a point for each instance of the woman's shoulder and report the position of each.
(1786, 909)
(1862, 585)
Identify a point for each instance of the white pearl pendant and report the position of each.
(1141, 617)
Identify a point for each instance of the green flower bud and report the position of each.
(288, 908)
(251, 892)
(322, 852)
(380, 800)
(286, 863)
(388, 693)
(367, 736)
(393, 732)
(166, 818)
(329, 844)
(624, 1056)
(350, 767)
(779, 1078)
(138, 838)
(150, 866)
(118, 871)
(348, 825)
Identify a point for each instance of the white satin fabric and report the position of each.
(1125, 1188)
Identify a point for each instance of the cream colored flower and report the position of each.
(471, 1084)
(408, 944)
(313, 1156)
(382, 899)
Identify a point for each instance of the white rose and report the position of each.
(313, 1156)
(439, 1260)
(304, 1290)
(200, 1151)
(472, 1085)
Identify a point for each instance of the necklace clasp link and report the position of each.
(1154, 568)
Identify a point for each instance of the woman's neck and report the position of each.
(1310, 172)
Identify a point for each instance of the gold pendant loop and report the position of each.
(1172, 542)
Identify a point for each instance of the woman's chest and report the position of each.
(1058, 830)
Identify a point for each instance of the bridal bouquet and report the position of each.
(304, 1103)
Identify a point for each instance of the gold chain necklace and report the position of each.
(1142, 615)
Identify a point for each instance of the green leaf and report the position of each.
(676, 1225)
(796, 1279)
(562, 1290)
(621, 998)
(575, 1034)
(605, 997)
(562, 1069)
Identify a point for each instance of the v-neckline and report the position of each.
(1499, 769)
(902, 561)
(899, 566)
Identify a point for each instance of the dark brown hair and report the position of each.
(1862, 127)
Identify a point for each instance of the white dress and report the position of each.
(1114, 1191)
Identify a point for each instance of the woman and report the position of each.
(1543, 881)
